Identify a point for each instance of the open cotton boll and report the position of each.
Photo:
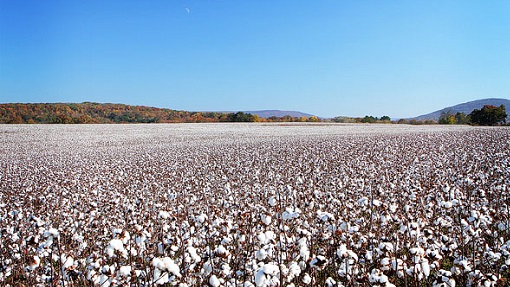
(125, 271)
(330, 282)
(34, 263)
(425, 267)
(115, 245)
(307, 279)
(214, 281)
(272, 201)
(260, 278)
(160, 277)
(51, 232)
(67, 262)
(163, 214)
(325, 216)
(270, 269)
(170, 266)
(221, 251)
(261, 254)
(266, 219)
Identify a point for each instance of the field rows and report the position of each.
(254, 205)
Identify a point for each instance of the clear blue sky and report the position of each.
(329, 58)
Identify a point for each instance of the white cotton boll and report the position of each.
(306, 279)
(294, 269)
(68, 262)
(383, 278)
(260, 278)
(262, 238)
(104, 281)
(214, 281)
(353, 229)
(115, 244)
(446, 204)
(330, 282)
(376, 202)
(373, 278)
(158, 263)
(425, 267)
(160, 277)
(193, 254)
(222, 251)
(266, 219)
(325, 216)
(163, 214)
(304, 253)
(270, 269)
(270, 235)
(51, 232)
(201, 218)
(206, 269)
(261, 254)
(125, 271)
(171, 267)
(369, 255)
(110, 251)
(363, 201)
(248, 284)
(34, 263)
(272, 201)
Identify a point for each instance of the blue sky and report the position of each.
(329, 58)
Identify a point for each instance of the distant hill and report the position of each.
(278, 113)
(466, 108)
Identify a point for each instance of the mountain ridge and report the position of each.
(465, 108)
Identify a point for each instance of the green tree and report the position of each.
(489, 115)
(447, 118)
(461, 118)
(369, 119)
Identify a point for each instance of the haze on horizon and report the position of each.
(328, 58)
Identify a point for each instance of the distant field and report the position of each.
(254, 205)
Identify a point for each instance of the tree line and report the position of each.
(488, 115)
(97, 113)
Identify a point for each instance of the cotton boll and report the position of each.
(34, 263)
(163, 214)
(270, 269)
(160, 277)
(171, 267)
(306, 279)
(261, 254)
(260, 278)
(125, 271)
(425, 267)
(214, 281)
(266, 219)
(330, 282)
(206, 269)
(272, 201)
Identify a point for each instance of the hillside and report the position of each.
(465, 108)
(278, 113)
(99, 113)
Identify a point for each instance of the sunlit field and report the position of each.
(254, 205)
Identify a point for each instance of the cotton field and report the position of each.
(254, 205)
